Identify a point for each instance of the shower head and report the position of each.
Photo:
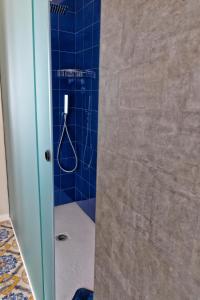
(57, 8)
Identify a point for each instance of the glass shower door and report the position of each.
(25, 81)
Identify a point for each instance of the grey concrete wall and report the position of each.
(148, 195)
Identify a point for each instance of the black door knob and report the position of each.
(47, 155)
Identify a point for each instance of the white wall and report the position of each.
(4, 209)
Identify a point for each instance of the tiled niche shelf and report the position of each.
(76, 73)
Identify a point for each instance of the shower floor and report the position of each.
(74, 256)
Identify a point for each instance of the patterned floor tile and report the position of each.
(14, 284)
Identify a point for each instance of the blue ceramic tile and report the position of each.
(56, 134)
(86, 119)
(94, 121)
(67, 22)
(62, 97)
(66, 181)
(82, 84)
(79, 99)
(79, 41)
(78, 170)
(78, 182)
(94, 137)
(80, 61)
(88, 154)
(88, 14)
(88, 83)
(85, 172)
(55, 60)
(69, 164)
(94, 160)
(71, 5)
(95, 96)
(67, 60)
(66, 151)
(78, 195)
(78, 134)
(86, 95)
(67, 41)
(85, 101)
(97, 11)
(56, 197)
(71, 117)
(79, 4)
(79, 117)
(71, 99)
(86, 137)
(54, 40)
(55, 98)
(57, 181)
(87, 36)
(71, 130)
(54, 21)
(95, 58)
(92, 192)
(85, 189)
(95, 82)
(96, 34)
(79, 23)
(93, 177)
(67, 196)
(55, 80)
(71, 193)
(79, 151)
(87, 1)
(56, 167)
(88, 58)
(56, 116)
(55, 148)
(67, 83)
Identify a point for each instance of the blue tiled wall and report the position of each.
(87, 35)
(63, 56)
(75, 44)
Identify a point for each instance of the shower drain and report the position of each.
(62, 237)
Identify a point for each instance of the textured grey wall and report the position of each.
(148, 204)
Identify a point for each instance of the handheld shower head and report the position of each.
(66, 100)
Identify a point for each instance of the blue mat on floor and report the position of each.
(83, 294)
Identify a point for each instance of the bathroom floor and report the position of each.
(13, 280)
(74, 256)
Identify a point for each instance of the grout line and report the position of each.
(65, 31)
(62, 51)
(86, 49)
(84, 6)
(82, 195)
(82, 178)
(86, 27)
